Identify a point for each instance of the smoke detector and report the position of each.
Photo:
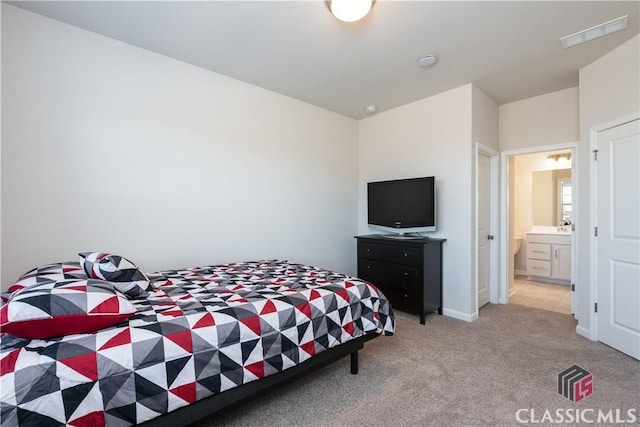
(427, 61)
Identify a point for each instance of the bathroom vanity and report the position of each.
(549, 256)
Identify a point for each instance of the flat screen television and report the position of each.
(403, 203)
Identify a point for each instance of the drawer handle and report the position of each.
(368, 267)
(368, 250)
(406, 296)
(540, 252)
(406, 274)
(406, 254)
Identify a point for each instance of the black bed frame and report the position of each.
(218, 402)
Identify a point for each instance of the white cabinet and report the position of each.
(561, 268)
(549, 257)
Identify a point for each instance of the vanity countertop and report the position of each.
(546, 229)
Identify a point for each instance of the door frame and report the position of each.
(502, 286)
(592, 333)
(494, 223)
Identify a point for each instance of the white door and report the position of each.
(618, 237)
(484, 232)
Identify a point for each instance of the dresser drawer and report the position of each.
(536, 267)
(538, 251)
(391, 253)
(389, 275)
(403, 299)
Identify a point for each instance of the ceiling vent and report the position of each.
(592, 33)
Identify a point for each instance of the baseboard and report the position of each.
(520, 272)
(584, 332)
(549, 280)
(460, 315)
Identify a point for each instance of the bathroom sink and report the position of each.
(546, 229)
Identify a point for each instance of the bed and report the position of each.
(186, 343)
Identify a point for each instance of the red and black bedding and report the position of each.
(136, 346)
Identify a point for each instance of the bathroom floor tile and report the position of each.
(530, 291)
(545, 296)
(519, 299)
(558, 290)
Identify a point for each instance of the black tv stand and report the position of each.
(407, 271)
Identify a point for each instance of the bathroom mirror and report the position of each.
(551, 196)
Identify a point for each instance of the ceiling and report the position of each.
(509, 49)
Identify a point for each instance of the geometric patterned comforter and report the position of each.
(200, 331)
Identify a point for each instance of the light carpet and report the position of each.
(454, 373)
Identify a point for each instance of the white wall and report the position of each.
(429, 137)
(523, 167)
(539, 121)
(109, 147)
(542, 120)
(485, 119)
(609, 91)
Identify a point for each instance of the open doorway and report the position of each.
(537, 241)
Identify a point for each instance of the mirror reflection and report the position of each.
(551, 197)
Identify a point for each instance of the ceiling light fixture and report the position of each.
(559, 156)
(349, 10)
(592, 33)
